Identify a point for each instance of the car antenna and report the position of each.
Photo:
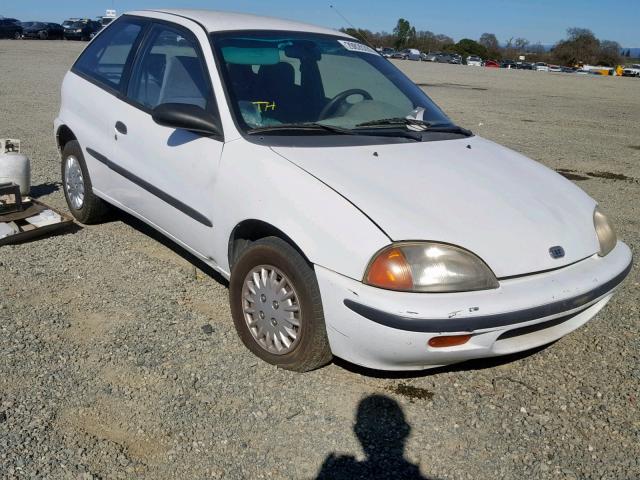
(364, 37)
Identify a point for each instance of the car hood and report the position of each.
(506, 208)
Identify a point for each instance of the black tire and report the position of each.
(44, 35)
(312, 350)
(93, 208)
(17, 36)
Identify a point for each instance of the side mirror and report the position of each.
(185, 117)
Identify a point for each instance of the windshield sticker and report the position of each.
(357, 47)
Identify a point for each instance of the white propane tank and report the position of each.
(14, 166)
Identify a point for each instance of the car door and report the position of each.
(90, 92)
(168, 175)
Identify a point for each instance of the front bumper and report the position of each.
(389, 330)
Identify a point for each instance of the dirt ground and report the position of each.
(118, 357)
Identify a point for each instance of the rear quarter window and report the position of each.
(105, 58)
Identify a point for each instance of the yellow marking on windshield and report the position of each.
(265, 106)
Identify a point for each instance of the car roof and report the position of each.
(218, 21)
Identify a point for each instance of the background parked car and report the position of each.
(444, 58)
(632, 71)
(491, 64)
(387, 52)
(430, 57)
(568, 69)
(456, 59)
(541, 67)
(508, 64)
(70, 21)
(413, 54)
(42, 30)
(474, 61)
(555, 68)
(10, 28)
(81, 30)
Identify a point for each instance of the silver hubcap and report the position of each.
(74, 182)
(271, 309)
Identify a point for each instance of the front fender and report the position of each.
(256, 183)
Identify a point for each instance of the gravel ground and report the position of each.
(118, 358)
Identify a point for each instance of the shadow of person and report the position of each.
(382, 431)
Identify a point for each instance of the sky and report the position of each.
(544, 21)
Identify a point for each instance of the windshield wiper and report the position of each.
(302, 127)
(420, 125)
(451, 129)
(322, 127)
(383, 122)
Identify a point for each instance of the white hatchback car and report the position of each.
(474, 61)
(351, 216)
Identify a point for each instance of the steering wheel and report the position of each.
(340, 99)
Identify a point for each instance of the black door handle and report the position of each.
(121, 128)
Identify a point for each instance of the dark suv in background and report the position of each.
(81, 30)
(42, 30)
(10, 28)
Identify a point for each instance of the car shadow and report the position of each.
(469, 365)
(140, 226)
(382, 430)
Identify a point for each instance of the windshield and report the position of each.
(284, 78)
(78, 24)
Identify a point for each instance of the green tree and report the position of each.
(466, 47)
(404, 33)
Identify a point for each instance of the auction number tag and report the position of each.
(357, 47)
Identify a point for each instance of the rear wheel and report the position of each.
(17, 36)
(276, 306)
(83, 204)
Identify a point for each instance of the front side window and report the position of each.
(169, 70)
(105, 58)
(277, 78)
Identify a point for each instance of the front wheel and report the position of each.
(276, 306)
(17, 36)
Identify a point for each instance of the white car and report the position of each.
(541, 67)
(632, 71)
(350, 215)
(474, 61)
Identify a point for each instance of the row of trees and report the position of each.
(581, 45)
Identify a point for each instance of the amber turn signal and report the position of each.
(390, 270)
(448, 341)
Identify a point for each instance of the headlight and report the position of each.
(428, 267)
(606, 234)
